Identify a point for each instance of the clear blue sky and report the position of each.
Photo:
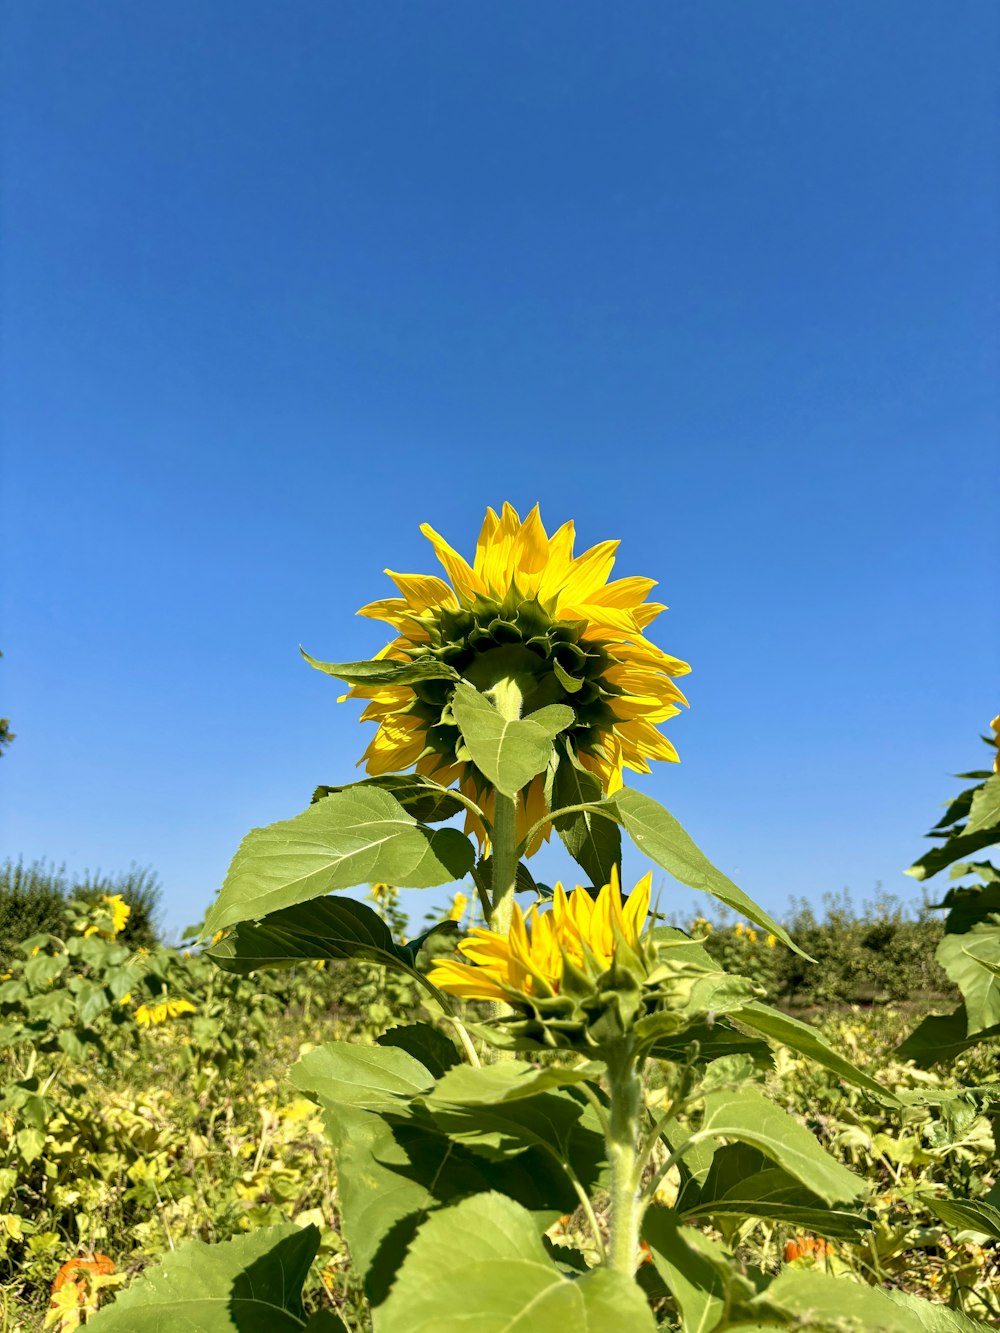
(282, 281)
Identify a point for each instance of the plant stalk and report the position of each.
(504, 858)
(625, 1089)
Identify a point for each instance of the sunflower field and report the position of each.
(556, 1106)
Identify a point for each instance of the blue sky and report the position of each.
(281, 282)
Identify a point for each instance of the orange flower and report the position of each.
(806, 1247)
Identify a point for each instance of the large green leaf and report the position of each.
(747, 1115)
(507, 1081)
(372, 1078)
(659, 836)
(481, 1266)
(424, 799)
(334, 928)
(425, 1043)
(779, 1027)
(985, 810)
(508, 752)
(965, 1214)
(593, 840)
(839, 1304)
(384, 671)
(700, 1274)
(358, 836)
(972, 961)
(955, 848)
(391, 1173)
(940, 1038)
(742, 1182)
(248, 1285)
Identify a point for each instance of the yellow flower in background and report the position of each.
(148, 1014)
(118, 910)
(528, 610)
(995, 726)
(751, 935)
(739, 928)
(458, 905)
(531, 958)
(771, 941)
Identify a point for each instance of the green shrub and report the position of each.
(34, 899)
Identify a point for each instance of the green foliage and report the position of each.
(878, 954)
(356, 836)
(481, 1264)
(35, 899)
(249, 1285)
(508, 752)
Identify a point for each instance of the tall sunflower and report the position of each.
(528, 612)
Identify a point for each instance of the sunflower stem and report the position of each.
(625, 1089)
(504, 860)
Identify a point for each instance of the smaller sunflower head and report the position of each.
(575, 933)
(995, 728)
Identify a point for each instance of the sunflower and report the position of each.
(525, 611)
(530, 959)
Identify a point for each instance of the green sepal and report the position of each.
(384, 671)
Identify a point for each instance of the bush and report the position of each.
(34, 899)
(879, 955)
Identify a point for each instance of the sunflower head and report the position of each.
(583, 972)
(529, 624)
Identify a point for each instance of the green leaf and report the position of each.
(841, 1305)
(972, 961)
(714, 1040)
(930, 1317)
(359, 836)
(940, 1038)
(333, 928)
(747, 1115)
(965, 1214)
(251, 1284)
(693, 1267)
(507, 1081)
(547, 1121)
(593, 840)
(659, 836)
(30, 1143)
(956, 848)
(779, 1027)
(384, 671)
(985, 811)
(970, 904)
(425, 1043)
(391, 1173)
(424, 799)
(372, 1078)
(508, 752)
(742, 1182)
(481, 1265)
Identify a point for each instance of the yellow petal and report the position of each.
(464, 579)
